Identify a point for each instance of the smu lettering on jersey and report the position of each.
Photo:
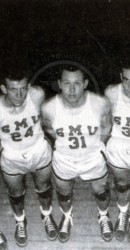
(121, 117)
(78, 129)
(22, 130)
(118, 146)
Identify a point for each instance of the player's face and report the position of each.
(16, 91)
(126, 81)
(72, 85)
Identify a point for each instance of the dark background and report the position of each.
(95, 33)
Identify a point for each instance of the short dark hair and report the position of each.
(124, 62)
(18, 75)
(15, 70)
(70, 68)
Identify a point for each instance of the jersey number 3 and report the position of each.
(77, 142)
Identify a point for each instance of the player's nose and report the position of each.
(72, 88)
(19, 93)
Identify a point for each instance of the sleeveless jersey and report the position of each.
(118, 146)
(78, 132)
(121, 119)
(19, 132)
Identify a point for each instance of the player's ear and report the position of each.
(3, 89)
(86, 83)
(121, 76)
(59, 83)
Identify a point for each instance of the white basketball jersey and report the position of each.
(118, 146)
(78, 129)
(20, 131)
(121, 119)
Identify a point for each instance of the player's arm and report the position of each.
(47, 127)
(47, 116)
(106, 121)
(111, 92)
(37, 95)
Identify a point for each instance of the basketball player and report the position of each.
(25, 150)
(118, 148)
(76, 119)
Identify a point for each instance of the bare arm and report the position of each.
(47, 127)
(111, 94)
(106, 122)
(47, 114)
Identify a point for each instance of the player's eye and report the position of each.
(66, 82)
(77, 83)
(126, 79)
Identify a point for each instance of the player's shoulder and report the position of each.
(48, 110)
(48, 107)
(37, 93)
(112, 91)
(99, 103)
(50, 102)
(97, 98)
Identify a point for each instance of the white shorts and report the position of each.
(29, 160)
(118, 152)
(68, 168)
